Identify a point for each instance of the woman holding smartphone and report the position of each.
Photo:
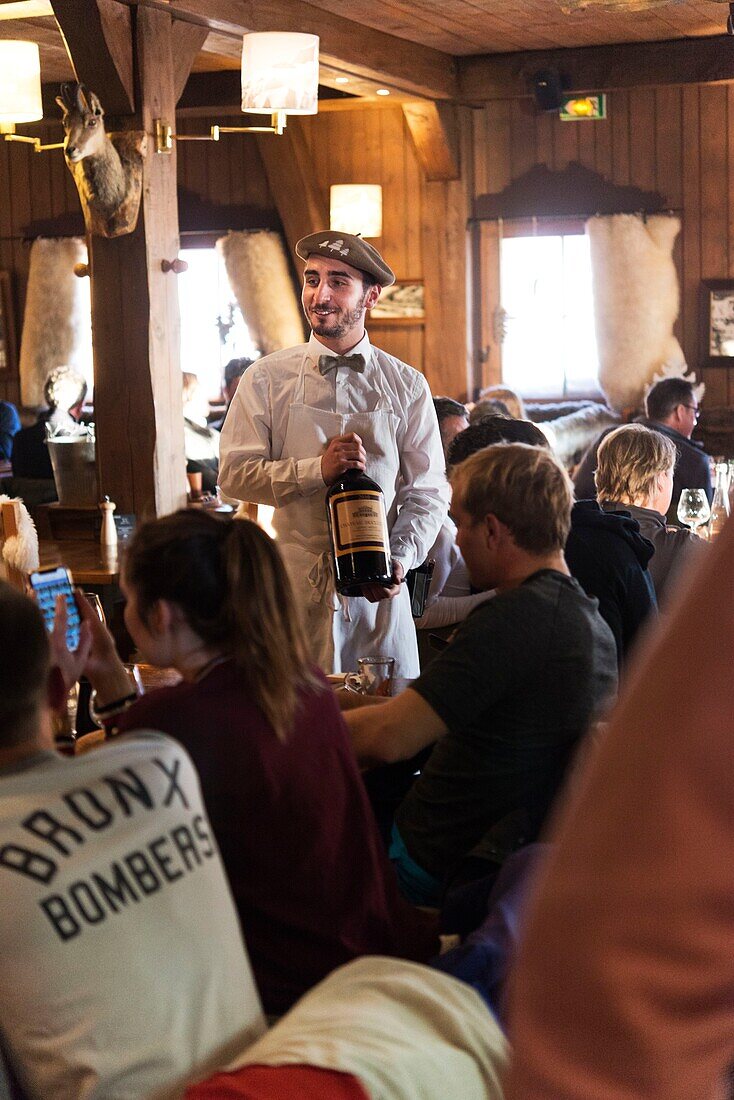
(210, 598)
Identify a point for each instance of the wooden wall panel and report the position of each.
(675, 140)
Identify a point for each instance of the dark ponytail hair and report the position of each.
(229, 581)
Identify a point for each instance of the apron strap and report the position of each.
(321, 578)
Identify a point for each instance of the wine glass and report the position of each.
(693, 508)
(64, 722)
(96, 603)
(133, 671)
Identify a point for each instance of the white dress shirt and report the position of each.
(253, 434)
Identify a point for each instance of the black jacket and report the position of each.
(692, 470)
(608, 557)
(30, 457)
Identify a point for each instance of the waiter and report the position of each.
(303, 416)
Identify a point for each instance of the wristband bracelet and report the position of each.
(99, 714)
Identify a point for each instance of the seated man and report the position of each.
(122, 968)
(671, 407)
(233, 371)
(451, 596)
(634, 473)
(9, 427)
(64, 392)
(452, 419)
(511, 696)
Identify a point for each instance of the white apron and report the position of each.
(342, 629)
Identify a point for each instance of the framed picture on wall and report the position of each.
(7, 326)
(717, 322)
(401, 303)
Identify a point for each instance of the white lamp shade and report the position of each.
(20, 82)
(356, 208)
(280, 72)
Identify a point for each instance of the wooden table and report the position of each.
(87, 561)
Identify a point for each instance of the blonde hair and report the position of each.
(629, 461)
(229, 581)
(514, 403)
(525, 487)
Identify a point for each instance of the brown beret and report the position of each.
(352, 250)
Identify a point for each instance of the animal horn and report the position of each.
(66, 98)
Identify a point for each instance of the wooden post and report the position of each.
(135, 318)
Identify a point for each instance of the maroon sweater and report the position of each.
(310, 879)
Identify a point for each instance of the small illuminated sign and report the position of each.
(586, 107)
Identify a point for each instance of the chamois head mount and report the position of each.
(82, 122)
(107, 168)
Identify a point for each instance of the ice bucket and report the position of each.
(75, 471)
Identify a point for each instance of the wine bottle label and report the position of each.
(358, 521)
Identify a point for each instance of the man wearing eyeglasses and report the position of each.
(671, 407)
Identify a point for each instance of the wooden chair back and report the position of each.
(9, 527)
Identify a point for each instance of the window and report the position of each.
(213, 330)
(549, 347)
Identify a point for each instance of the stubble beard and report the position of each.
(335, 326)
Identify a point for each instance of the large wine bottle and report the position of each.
(360, 543)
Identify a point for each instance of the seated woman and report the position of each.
(634, 473)
(310, 880)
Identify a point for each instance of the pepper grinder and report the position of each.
(108, 534)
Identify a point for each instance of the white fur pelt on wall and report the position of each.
(636, 302)
(258, 271)
(56, 324)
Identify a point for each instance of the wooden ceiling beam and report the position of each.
(599, 68)
(98, 38)
(434, 131)
(345, 44)
(300, 203)
(187, 40)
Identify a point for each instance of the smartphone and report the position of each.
(47, 585)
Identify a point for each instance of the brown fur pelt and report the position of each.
(258, 272)
(56, 322)
(636, 302)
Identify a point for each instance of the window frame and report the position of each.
(488, 367)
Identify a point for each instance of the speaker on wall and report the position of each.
(547, 89)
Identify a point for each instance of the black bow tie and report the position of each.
(333, 362)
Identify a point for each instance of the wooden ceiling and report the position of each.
(461, 27)
(365, 44)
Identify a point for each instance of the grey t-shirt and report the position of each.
(517, 688)
(122, 969)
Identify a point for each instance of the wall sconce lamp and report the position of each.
(20, 91)
(280, 77)
(356, 208)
